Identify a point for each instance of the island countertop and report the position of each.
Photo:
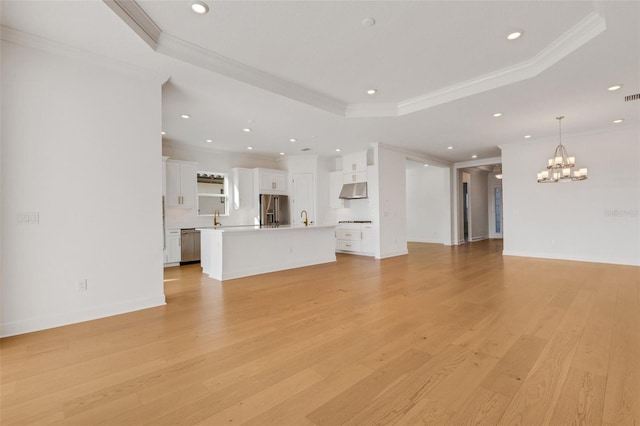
(240, 251)
(250, 228)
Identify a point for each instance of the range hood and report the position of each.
(353, 191)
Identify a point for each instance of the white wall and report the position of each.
(594, 220)
(392, 203)
(81, 147)
(220, 162)
(428, 201)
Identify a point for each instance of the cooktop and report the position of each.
(354, 221)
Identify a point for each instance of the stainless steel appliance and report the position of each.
(274, 210)
(189, 246)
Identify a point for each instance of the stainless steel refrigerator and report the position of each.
(274, 210)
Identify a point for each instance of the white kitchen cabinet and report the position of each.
(369, 239)
(354, 177)
(335, 186)
(354, 162)
(172, 246)
(354, 167)
(181, 184)
(272, 181)
(244, 195)
(356, 238)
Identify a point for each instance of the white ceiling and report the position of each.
(301, 69)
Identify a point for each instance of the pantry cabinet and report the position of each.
(181, 178)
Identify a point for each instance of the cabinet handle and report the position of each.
(353, 166)
(360, 234)
(353, 178)
(347, 235)
(347, 245)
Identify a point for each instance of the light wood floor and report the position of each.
(445, 335)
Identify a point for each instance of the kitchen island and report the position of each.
(235, 252)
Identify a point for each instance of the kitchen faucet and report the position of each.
(216, 215)
(306, 217)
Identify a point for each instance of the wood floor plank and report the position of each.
(536, 399)
(622, 396)
(440, 336)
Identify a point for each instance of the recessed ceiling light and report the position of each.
(185, 116)
(514, 35)
(497, 114)
(449, 147)
(199, 7)
(282, 153)
(246, 129)
(474, 156)
(426, 165)
(249, 147)
(209, 140)
(292, 140)
(337, 149)
(372, 92)
(614, 88)
(527, 136)
(368, 22)
(163, 133)
(618, 121)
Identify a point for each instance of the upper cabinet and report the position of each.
(181, 178)
(354, 167)
(243, 193)
(272, 181)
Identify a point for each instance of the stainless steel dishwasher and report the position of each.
(190, 246)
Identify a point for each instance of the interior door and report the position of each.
(303, 197)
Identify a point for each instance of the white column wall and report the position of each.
(428, 199)
(392, 214)
(595, 220)
(81, 148)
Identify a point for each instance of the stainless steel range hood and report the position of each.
(353, 191)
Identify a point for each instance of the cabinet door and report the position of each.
(188, 185)
(174, 191)
(355, 177)
(280, 182)
(172, 252)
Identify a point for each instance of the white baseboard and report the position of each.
(43, 323)
(573, 257)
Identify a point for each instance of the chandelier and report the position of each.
(559, 167)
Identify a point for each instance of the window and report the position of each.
(212, 194)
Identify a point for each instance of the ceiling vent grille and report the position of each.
(632, 97)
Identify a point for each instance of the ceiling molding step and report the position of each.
(196, 55)
(370, 110)
(137, 19)
(60, 49)
(478, 162)
(415, 155)
(591, 26)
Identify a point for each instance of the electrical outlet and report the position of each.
(28, 218)
(82, 285)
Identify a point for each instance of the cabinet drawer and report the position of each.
(346, 245)
(348, 234)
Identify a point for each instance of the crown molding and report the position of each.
(414, 155)
(137, 19)
(133, 15)
(591, 26)
(35, 42)
(203, 58)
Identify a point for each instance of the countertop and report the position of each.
(262, 229)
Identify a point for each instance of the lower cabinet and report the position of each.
(172, 246)
(356, 238)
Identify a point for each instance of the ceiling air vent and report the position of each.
(632, 97)
(305, 149)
